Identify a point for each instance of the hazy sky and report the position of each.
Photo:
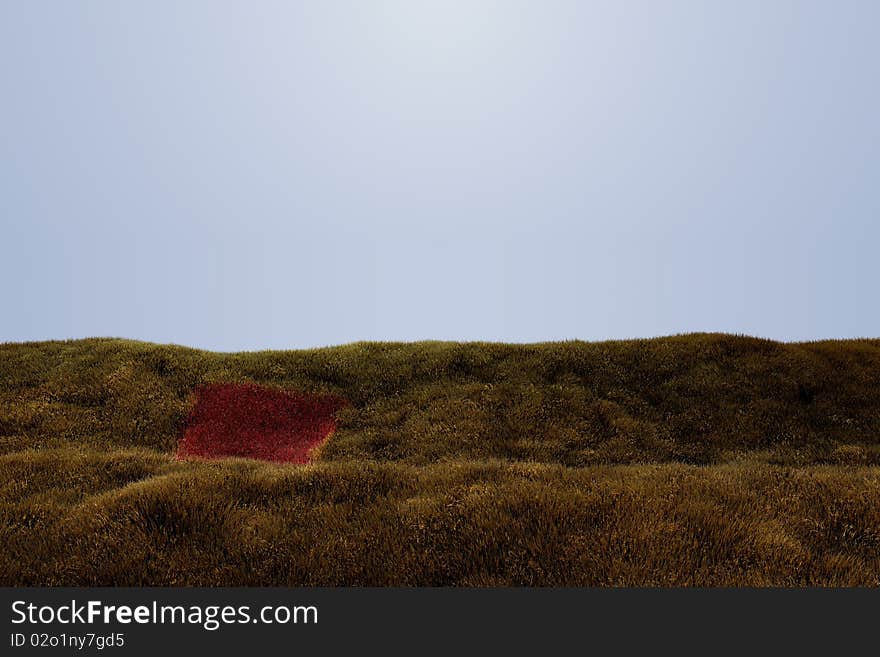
(279, 174)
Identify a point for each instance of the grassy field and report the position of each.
(690, 460)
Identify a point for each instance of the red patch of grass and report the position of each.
(251, 421)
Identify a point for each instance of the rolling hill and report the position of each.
(695, 460)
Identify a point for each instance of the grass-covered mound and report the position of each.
(702, 459)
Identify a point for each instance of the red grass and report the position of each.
(255, 422)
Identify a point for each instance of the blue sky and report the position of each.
(280, 174)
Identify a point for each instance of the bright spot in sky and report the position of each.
(436, 33)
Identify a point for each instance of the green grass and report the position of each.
(690, 460)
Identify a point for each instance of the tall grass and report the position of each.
(690, 460)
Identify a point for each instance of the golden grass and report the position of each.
(702, 460)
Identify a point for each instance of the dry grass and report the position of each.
(692, 460)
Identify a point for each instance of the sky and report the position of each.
(255, 175)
